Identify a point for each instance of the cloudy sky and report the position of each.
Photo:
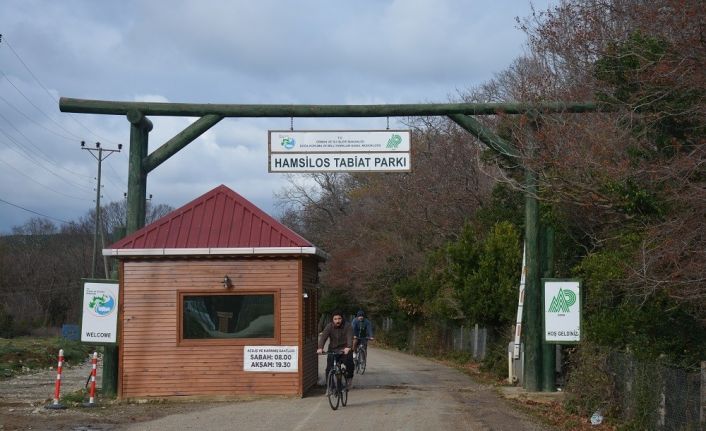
(209, 51)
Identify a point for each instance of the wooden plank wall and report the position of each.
(310, 367)
(152, 364)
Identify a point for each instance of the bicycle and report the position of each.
(361, 358)
(337, 382)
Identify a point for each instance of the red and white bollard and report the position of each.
(57, 385)
(92, 391)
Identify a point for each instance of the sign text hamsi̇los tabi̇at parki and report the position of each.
(339, 151)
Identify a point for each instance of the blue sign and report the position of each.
(71, 332)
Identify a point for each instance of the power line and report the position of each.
(47, 90)
(35, 121)
(33, 212)
(37, 107)
(117, 175)
(46, 158)
(24, 154)
(43, 185)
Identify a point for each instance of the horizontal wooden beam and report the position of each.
(108, 107)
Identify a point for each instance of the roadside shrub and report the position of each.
(495, 361)
(428, 340)
(396, 337)
(459, 357)
(75, 352)
(75, 398)
(6, 323)
(589, 385)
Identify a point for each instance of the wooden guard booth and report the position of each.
(217, 298)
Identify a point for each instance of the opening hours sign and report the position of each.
(270, 359)
(339, 151)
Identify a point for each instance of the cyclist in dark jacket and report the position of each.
(340, 336)
(362, 330)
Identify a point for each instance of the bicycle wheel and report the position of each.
(332, 391)
(356, 363)
(362, 360)
(344, 390)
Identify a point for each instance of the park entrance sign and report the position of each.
(339, 151)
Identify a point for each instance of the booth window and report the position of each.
(230, 316)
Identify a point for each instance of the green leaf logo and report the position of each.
(563, 300)
(394, 141)
(288, 142)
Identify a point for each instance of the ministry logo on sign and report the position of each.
(288, 142)
(102, 305)
(394, 141)
(562, 302)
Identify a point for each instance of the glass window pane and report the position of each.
(229, 316)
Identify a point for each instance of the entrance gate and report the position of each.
(539, 356)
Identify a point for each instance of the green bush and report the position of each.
(36, 352)
(589, 386)
(395, 337)
(495, 361)
(460, 358)
(652, 326)
(6, 323)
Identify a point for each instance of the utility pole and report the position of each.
(97, 153)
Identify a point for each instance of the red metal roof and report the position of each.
(220, 218)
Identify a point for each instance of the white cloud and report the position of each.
(217, 51)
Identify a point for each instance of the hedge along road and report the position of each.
(397, 392)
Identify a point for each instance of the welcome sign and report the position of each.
(562, 311)
(99, 323)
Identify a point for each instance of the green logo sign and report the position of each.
(562, 301)
(102, 305)
(394, 141)
(288, 143)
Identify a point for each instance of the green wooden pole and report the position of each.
(485, 135)
(229, 110)
(548, 350)
(181, 140)
(109, 383)
(140, 127)
(533, 333)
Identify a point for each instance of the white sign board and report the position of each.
(562, 311)
(271, 359)
(326, 162)
(339, 151)
(354, 141)
(99, 323)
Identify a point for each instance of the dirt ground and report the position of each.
(397, 392)
(23, 400)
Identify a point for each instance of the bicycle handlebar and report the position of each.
(332, 353)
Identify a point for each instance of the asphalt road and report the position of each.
(397, 392)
